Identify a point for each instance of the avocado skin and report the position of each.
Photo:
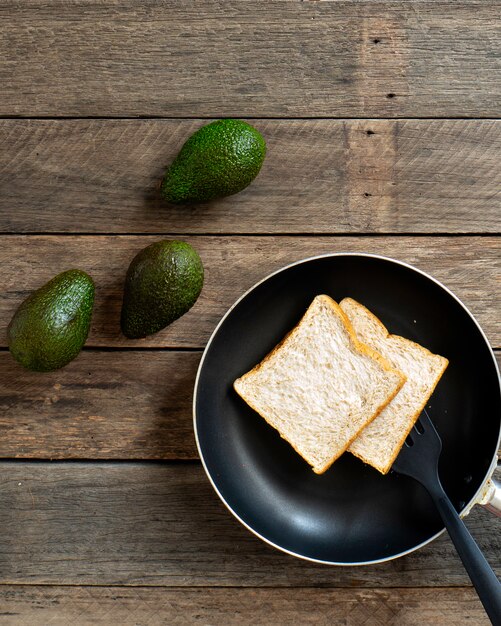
(162, 283)
(219, 160)
(50, 327)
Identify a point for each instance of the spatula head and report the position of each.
(420, 453)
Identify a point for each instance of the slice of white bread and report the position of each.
(380, 442)
(320, 386)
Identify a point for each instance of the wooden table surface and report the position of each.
(381, 120)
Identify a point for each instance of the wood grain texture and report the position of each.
(158, 524)
(103, 405)
(135, 606)
(469, 266)
(281, 58)
(322, 176)
(70, 530)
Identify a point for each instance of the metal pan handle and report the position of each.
(492, 499)
(491, 493)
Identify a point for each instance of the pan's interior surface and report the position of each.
(350, 514)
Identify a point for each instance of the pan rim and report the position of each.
(467, 507)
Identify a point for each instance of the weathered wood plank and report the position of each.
(470, 266)
(103, 405)
(157, 524)
(323, 176)
(131, 606)
(283, 58)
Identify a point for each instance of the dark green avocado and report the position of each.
(50, 327)
(220, 159)
(163, 282)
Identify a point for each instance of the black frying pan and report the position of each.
(351, 514)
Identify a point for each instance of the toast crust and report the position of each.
(445, 362)
(359, 347)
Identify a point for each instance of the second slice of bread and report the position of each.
(380, 442)
(320, 386)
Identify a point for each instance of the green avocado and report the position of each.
(220, 159)
(163, 282)
(50, 327)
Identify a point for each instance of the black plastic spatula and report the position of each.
(419, 459)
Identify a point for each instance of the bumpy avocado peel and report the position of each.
(218, 160)
(50, 327)
(162, 283)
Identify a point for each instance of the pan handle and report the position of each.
(491, 496)
(492, 499)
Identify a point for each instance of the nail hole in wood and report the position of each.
(370, 132)
(376, 40)
(390, 95)
(367, 195)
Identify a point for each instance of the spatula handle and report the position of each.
(483, 578)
